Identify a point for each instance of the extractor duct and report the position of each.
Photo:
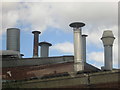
(44, 49)
(36, 41)
(13, 39)
(78, 58)
(108, 39)
(84, 47)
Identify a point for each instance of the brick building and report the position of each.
(55, 72)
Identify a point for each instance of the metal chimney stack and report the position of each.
(44, 49)
(36, 40)
(84, 47)
(78, 58)
(108, 39)
(13, 39)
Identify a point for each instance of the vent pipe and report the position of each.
(13, 39)
(78, 59)
(84, 47)
(36, 40)
(108, 39)
(44, 49)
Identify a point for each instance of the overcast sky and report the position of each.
(52, 19)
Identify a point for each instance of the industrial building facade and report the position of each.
(57, 72)
(85, 80)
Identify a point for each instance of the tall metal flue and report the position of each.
(36, 42)
(78, 58)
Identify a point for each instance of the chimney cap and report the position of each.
(13, 29)
(36, 32)
(22, 54)
(77, 24)
(84, 35)
(41, 43)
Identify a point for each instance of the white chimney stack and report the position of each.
(108, 39)
(44, 49)
(78, 59)
(84, 47)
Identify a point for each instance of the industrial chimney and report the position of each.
(84, 47)
(44, 49)
(78, 58)
(108, 39)
(13, 39)
(36, 40)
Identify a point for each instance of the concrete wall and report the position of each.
(35, 61)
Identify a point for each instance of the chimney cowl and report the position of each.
(108, 37)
